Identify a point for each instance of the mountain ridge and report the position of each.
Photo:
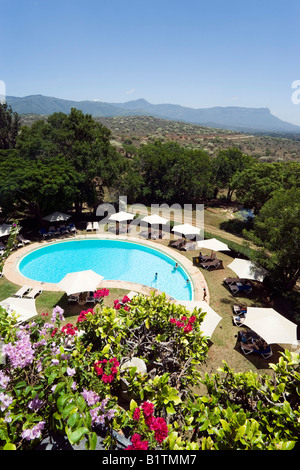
(230, 117)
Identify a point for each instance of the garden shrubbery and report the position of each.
(74, 380)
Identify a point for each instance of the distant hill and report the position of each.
(233, 118)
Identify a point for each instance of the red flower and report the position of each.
(188, 328)
(192, 319)
(172, 320)
(148, 408)
(136, 414)
(160, 429)
(137, 443)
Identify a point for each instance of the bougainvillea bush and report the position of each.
(74, 379)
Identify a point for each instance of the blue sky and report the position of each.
(195, 53)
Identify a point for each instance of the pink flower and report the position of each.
(160, 429)
(192, 319)
(136, 414)
(137, 443)
(148, 408)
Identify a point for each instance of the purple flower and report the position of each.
(20, 354)
(4, 379)
(57, 311)
(34, 433)
(5, 400)
(70, 371)
(90, 397)
(35, 404)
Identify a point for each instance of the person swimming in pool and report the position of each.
(155, 277)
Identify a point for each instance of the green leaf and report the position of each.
(76, 435)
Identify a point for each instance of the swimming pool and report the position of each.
(114, 259)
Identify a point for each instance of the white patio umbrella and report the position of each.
(271, 325)
(213, 244)
(154, 219)
(186, 229)
(121, 216)
(57, 217)
(247, 269)
(211, 318)
(25, 308)
(80, 281)
(5, 230)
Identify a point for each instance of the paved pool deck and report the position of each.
(12, 273)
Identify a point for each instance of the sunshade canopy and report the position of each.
(186, 229)
(247, 269)
(213, 244)
(80, 281)
(211, 318)
(25, 308)
(154, 219)
(121, 216)
(5, 230)
(56, 217)
(271, 325)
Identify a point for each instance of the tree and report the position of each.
(277, 231)
(9, 127)
(36, 186)
(83, 143)
(255, 185)
(226, 165)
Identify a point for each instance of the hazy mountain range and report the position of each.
(233, 118)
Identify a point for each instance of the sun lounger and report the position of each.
(178, 243)
(265, 353)
(89, 226)
(90, 299)
(44, 233)
(33, 293)
(23, 240)
(22, 291)
(53, 230)
(211, 264)
(189, 246)
(71, 228)
(235, 288)
(63, 229)
(74, 298)
(95, 225)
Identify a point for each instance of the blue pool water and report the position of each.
(113, 259)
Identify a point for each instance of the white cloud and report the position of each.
(129, 92)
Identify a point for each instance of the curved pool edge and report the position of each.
(12, 273)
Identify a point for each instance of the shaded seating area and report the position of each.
(250, 342)
(74, 298)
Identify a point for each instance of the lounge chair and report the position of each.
(235, 288)
(265, 353)
(63, 229)
(89, 226)
(23, 240)
(33, 293)
(238, 320)
(53, 230)
(90, 299)
(71, 228)
(211, 264)
(95, 225)
(178, 243)
(74, 298)
(22, 291)
(44, 233)
(189, 246)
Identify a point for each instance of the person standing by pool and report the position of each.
(155, 277)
